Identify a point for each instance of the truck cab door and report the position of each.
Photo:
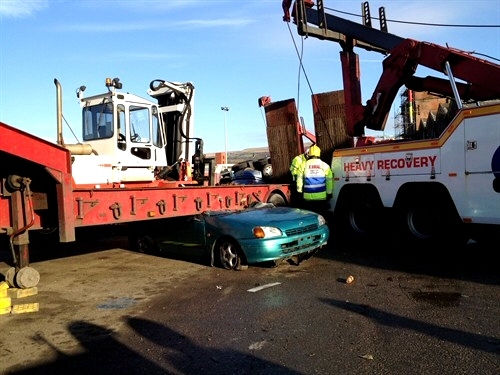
(143, 136)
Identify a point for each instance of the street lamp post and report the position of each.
(225, 109)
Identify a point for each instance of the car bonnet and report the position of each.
(281, 217)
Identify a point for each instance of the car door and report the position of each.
(184, 237)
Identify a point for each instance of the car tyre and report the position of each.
(276, 263)
(230, 255)
(141, 242)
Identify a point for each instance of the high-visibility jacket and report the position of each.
(315, 180)
(298, 163)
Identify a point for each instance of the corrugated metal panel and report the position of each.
(329, 123)
(282, 136)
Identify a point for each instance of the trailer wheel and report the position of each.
(277, 199)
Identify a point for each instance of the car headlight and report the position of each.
(266, 232)
(321, 220)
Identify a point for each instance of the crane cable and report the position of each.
(301, 67)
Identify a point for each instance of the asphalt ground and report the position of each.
(104, 309)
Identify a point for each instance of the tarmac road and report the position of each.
(104, 309)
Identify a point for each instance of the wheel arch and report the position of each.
(278, 198)
(353, 191)
(432, 191)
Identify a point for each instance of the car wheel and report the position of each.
(141, 242)
(267, 171)
(230, 255)
(276, 263)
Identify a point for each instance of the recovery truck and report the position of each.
(432, 188)
(137, 161)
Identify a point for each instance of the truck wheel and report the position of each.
(422, 223)
(431, 221)
(357, 219)
(361, 218)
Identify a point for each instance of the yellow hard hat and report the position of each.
(315, 151)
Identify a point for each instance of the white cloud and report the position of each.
(21, 8)
(148, 25)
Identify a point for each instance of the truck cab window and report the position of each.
(97, 122)
(139, 124)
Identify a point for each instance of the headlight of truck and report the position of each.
(266, 232)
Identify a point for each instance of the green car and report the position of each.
(237, 239)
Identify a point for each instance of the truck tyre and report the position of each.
(430, 220)
(357, 216)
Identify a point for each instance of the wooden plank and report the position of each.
(329, 123)
(283, 138)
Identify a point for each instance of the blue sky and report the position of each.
(233, 52)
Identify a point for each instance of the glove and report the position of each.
(329, 196)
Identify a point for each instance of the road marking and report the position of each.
(256, 289)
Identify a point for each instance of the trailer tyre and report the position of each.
(277, 199)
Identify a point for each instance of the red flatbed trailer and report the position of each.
(53, 187)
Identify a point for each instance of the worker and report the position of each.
(315, 182)
(298, 163)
